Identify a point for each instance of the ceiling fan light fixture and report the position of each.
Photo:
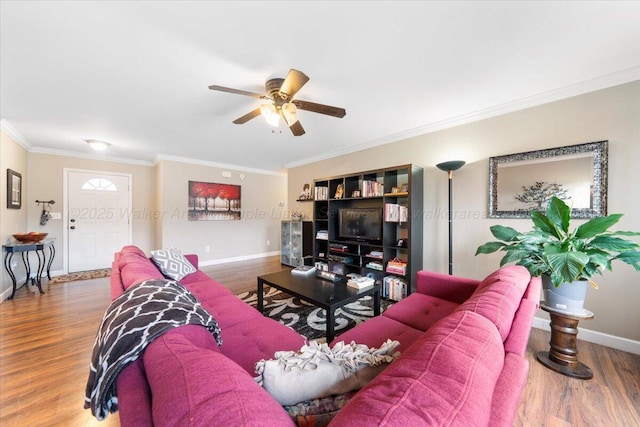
(97, 145)
(290, 113)
(270, 114)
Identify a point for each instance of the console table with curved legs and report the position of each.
(43, 263)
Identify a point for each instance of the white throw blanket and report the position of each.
(318, 371)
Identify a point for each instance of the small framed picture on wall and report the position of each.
(14, 190)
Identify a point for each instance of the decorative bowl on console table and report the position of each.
(31, 237)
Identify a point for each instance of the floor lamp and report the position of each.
(449, 167)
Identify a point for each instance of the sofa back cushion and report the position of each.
(446, 377)
(193, 384)
(498, 297)
(136, 268)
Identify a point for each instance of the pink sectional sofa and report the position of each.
(462, 341)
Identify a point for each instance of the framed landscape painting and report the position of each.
(210, 201)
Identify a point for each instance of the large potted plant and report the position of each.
(566, 259)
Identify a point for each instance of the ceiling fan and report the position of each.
(279, 102)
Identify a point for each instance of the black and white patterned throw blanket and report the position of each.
(132, 321)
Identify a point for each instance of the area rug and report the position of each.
(81, 275)
(308, 320)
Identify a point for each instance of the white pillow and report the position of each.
(318, 371)
(172, 263)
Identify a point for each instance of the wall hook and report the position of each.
(46, 208)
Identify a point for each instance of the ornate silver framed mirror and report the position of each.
(522, 182)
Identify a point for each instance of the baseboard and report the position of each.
(596, 337)
(7, 292)
(236, 259)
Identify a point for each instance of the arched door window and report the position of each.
(99, 184)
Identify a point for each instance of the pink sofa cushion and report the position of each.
(377, 330)
(511, 382)
(420, 311)
(446, 377)
(258, 338)
(193, 384)
(498, 297)
(137, 410)
(136, 268)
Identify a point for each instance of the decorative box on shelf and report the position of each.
(397, 266)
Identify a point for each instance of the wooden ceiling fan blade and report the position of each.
(320, 108)
(297, 129)
(244, 119)
(293, 82)
(236, 91)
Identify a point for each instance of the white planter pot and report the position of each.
(567, 297)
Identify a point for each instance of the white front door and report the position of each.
(97, 218)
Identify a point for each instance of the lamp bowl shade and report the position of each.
(452, 165)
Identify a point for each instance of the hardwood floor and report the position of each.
(46, 341)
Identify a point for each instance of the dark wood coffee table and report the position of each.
(321, 293)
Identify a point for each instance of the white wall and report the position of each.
(262, 194)
(611, 114)
(12, 156)
(46, 173)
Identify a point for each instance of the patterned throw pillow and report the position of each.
(172, 263)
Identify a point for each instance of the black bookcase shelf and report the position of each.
(398, 192)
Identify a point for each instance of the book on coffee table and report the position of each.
(360, 282)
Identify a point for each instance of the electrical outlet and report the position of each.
(207, 249)
(268, 242)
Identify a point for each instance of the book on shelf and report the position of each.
(394, 288)
(321, 193)
(374, 265)
(322, 235)
(304, 270)
(375, 254)
(371, 189)
(337, 247)
(395, 213)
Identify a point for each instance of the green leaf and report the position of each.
(514, 256)
(542, 222)
(625, 233)
(559, 214)
(631, 258)
(506, 234)
(489, 247)
(568, 265)
(613, 244)
(596, 226)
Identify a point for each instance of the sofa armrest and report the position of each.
(193, 259)
(451, 288)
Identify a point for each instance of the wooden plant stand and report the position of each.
(563, 354)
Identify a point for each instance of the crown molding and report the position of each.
(12, 133)
(598, 83)
(161, 157)
(56, 152)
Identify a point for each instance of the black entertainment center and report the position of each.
(370, 224)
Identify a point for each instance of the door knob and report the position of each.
(73, 227)
(73, 220)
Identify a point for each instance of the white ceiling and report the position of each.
(136, 73)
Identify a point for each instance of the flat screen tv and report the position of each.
(360, 224)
